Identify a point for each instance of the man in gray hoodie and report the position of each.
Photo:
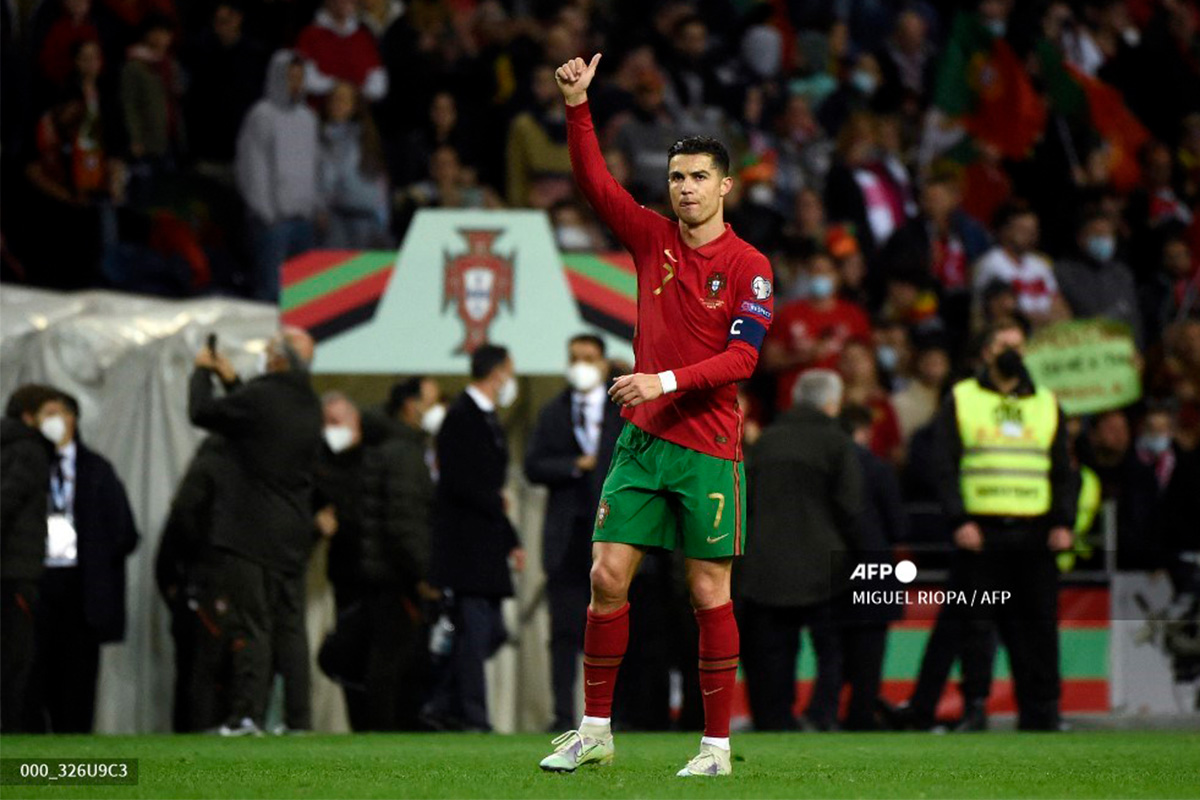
(277, 172)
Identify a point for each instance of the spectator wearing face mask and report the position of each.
(572, 232)
(473, 539)
(1096, 283)
(568, 452)
(1155, 444)
(338, 47)
(81, 594)
(27, 436)
(391, 497)
(812, 331)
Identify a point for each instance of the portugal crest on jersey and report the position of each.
(476, 283)
(602, 513)
(715, 283)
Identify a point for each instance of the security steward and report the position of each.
(1006, 484)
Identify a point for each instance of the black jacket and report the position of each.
(947, 454)
(550, 460)
(338, 483)
(273, 423)
(472, 536)
(24, 481)
(185, 547)
(107, 535)
(397, 496)
(805, 489)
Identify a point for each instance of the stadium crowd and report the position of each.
(917, 171)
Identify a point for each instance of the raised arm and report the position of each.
(612, 203)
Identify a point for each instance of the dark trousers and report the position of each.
(461, 691)
(396, 676)
(568, 596)
(568, 592)
(643, 697)
(267, 636)
(201, 656)
(65, 666)
(770, 648)
(960, 633)
(1027, 625)
(18, 599)
(863, 646)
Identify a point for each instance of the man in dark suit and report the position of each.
(862, 629)
(25, 455)
(473, 539)
(568, 453)
(263, 527)
(805, 492)
(81, 603)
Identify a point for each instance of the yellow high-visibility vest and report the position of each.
(1006, 441)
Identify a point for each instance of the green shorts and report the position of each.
(660, 494)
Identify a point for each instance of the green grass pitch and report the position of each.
(1074, 765)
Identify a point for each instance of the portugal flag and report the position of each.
(1080, 97)
(983, 85)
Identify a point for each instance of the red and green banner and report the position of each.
(330, 291)
(605, 288)
(982, 84)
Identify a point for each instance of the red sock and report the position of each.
(718, 667)
(604, 643)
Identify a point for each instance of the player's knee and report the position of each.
(708, 591)
(609, 589)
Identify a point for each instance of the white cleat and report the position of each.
(575, 749)
(711, 762)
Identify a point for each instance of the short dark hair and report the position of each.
(589, 338)
(855, 417)
(29, 399)
(402, 392)
(701, 146)
(1010, 211)
(1090, 214)
(998, 327)
(485, 360)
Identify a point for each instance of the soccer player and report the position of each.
(676, 478)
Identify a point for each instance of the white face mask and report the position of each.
(583, 376)
(54, 428)
(432, 419)
(508, 393)
(338, 437)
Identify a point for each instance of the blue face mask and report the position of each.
(1154, 443)
(887, 357)
(998, 27)
(864, 81)
(820, 286)
(1102, 248)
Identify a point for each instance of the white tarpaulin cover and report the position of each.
(128, 359)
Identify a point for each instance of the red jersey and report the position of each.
(829, 329)
(702, 313)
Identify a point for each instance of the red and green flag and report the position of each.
(982, 84)
(1083, 98)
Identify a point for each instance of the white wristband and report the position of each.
(668, 381)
